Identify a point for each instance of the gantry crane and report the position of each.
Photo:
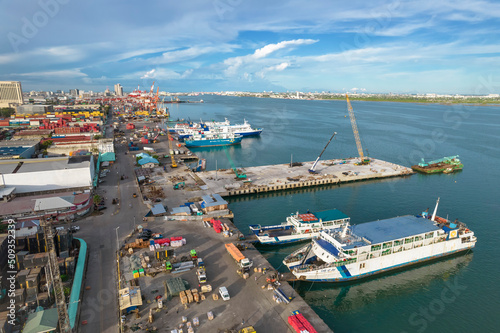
(363, 160)
(62, 311)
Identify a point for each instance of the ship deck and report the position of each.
(393, 228)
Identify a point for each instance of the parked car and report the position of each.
(60, 228)
(144, 237)
(224, 293)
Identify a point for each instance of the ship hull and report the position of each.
(212, 142)
(249, 133)
(354, 271)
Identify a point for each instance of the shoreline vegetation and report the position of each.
(489, 100)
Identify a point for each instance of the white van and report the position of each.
(224, 293)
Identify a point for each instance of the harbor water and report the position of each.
(457, 294)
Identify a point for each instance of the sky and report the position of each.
(445, 46)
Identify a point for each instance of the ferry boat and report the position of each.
(299, 227)
(362, 250)
(213, 140)
(186, 130)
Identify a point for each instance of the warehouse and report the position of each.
(36, 176)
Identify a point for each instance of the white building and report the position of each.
(11, 93)
(40, 175)
(118, 90)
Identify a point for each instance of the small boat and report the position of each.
(366, 249)
(299, 227)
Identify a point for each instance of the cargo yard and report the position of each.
(252, 301)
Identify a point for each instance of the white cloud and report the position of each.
(270, 48)
(233, 64)
(149, 75)
(65, 73)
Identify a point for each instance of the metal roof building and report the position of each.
(47, 174)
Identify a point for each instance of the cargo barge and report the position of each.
(444, 165)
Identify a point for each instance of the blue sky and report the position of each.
(374, 46)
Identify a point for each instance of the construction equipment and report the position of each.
(312, 170)
(179, 185)
(62, 311)
(174, 164)
(236, 172)
(363, 160)
(156, 137)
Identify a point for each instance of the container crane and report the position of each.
(312, 170)
(363, 160)
(62, 311)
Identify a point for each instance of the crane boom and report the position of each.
(62, 311)
(317, 160)
(355, 128)
(174, 164)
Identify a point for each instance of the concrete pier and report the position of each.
(282, 177)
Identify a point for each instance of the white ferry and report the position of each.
(354, 252)
(225, 127)
(299, 227)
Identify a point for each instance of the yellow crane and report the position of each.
(363, 160)
(174, 164)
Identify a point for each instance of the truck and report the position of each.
(243, 262)
(200, 271)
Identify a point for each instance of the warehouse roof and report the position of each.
(43, 164)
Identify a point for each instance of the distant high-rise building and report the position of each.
(74, 92)
(11, 93)
(118, 90)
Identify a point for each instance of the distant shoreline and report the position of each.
(476, 101)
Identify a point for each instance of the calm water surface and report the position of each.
(459, 294)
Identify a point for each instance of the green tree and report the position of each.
(7, 112)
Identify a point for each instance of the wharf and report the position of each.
(251, 303)
(283, 177)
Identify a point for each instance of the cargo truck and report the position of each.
(243, 262)
(200, 272)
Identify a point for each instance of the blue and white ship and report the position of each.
(186, 130)
(299, 227)
(362, 250)
(213, 140)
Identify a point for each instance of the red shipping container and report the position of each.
(296, 324)
(305, 323)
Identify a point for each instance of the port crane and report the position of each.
(174, 164)
(55, 275)
(363, 160)
(312, 170)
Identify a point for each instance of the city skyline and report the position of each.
(377, 47)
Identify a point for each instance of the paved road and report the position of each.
(99, 304)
